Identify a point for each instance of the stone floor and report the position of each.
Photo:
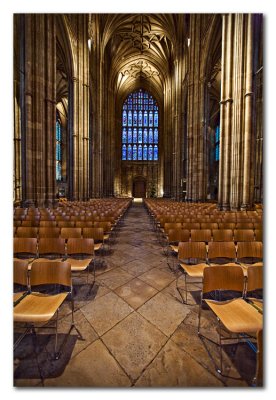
(136, 331)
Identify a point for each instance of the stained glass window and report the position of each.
(58, 148)
(140, 121)
(217, 143)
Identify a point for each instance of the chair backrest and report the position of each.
(95, 233)
(84, 224)
(221, 250)
(80, 246)
(188, 250)
(244, 225)
(30, 223)
(20, 272)
(222, 235)
(227, 225)
(250, 250)
(50, 232)
(178, 235)
(209, 225)
(243, 235)
(65, 224)
(26, 231)
(223, 277)
(103, 224)
(23, 245)
(172, 225)
(259, 235)
(191, 225)
(51, 246)
(46, 223)
(254, 278)
(53, 272)
(201, 235)
(70, 233)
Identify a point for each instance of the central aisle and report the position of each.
(136, 330)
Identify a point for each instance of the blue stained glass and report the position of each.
(155, 135)
(217, 134)
(140, 152)
(150, 135)
(134, 154)
(145, 118)
(150, 118)
(129, 135)
(134, 127)
(140, 135)
(124, 152)
(155, 118)
(124, 118)
(145, 152)
(134, 139)
(155, 153)
(124, 135)
(135, 118)
(58, 150)
(150, 154)
(129, 152)
(129, 120)
(140, 118)
(145, 135)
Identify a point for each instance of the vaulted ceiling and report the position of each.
(140, 48)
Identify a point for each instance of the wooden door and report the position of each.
(139, 188)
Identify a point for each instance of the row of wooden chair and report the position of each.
(175, 236)
(98, 234)
(211, 225)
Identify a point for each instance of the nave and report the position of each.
(136, 329)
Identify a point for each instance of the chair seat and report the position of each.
(174, 248)
(258, 303)
(97, 246)
(237, 315)
(79, 264)
(195, 271)
(38, 307)
(106, 237)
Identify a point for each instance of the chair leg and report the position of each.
(219, 370)
(179, 291)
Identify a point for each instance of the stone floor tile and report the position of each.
(136, 292)
(164, 312)
(94, 367)
(114, 278)
(137, 267)
(173, 368)
(106, 312)
(134, 342)
(157, 278)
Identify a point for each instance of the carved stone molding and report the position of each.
(140, 69)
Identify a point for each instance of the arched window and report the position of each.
(140, 126)
(58, 148)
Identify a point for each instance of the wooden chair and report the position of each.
(50, 232)
(227, 225)
(254, 285)
(249, 252)
(38, 309)
(191, 225)
(237, 316)
(222, 235)
(209, 225)
(25, 248)
(30, 223)
(201, 235)
(221, 252)
(97, 234)
(65, 224)
(27, 231)
(80, 254)
(244, 225)
(192, 258)
(243, 235)
(47, 224)
(67, 233)
(84, 224)
(51, 248)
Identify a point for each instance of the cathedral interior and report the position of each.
(138, 125)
